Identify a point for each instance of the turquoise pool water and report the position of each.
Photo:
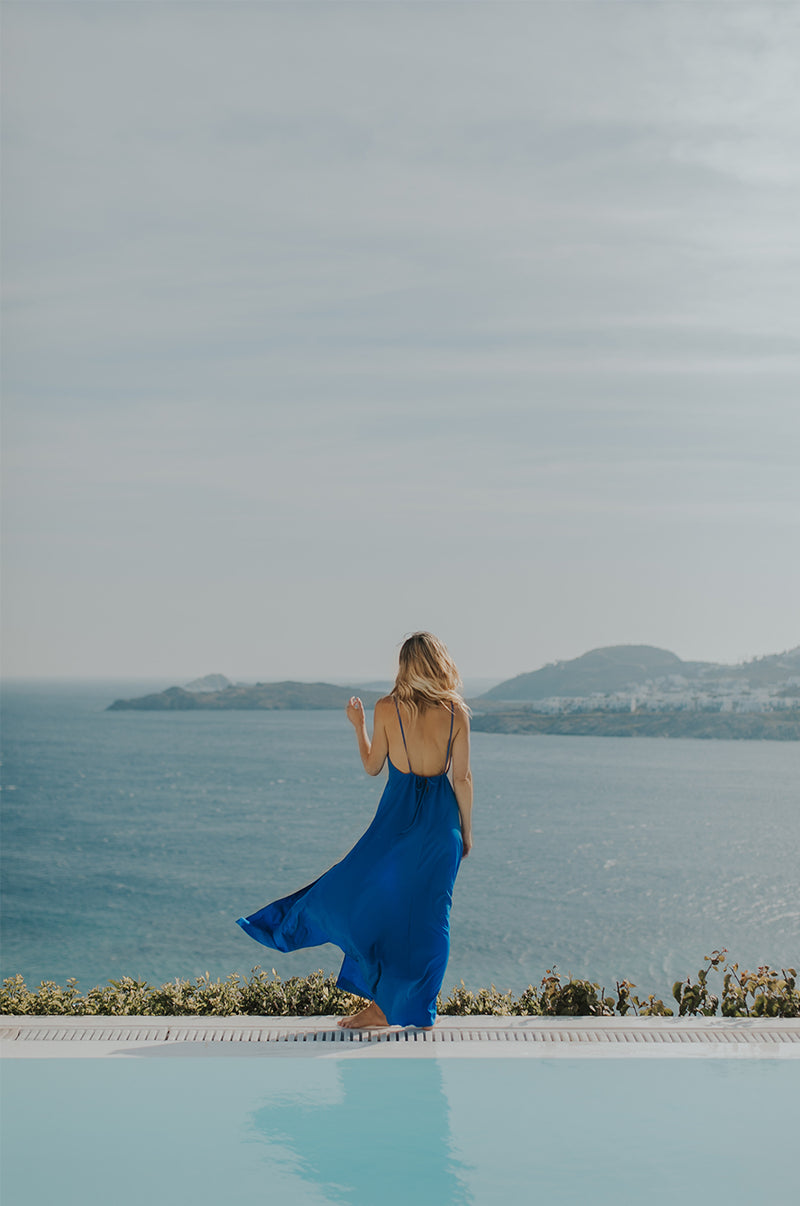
(306, 1132)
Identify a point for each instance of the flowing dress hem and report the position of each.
(343, 981)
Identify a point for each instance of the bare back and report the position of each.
(426, 740)
(426, 737)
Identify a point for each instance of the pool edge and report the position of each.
(319, 1037)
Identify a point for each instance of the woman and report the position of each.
(387, 903)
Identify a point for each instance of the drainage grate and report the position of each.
(722, 1032)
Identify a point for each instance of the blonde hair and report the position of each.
(426, 675)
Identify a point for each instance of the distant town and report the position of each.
(642, 678)
(642, 691)
(675, 693)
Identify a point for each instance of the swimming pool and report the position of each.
(311, 1132)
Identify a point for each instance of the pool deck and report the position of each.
(481, 1037)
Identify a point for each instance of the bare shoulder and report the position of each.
(461, 716)
(383, 707)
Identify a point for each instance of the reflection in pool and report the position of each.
(306, 1132)
(381, 1135)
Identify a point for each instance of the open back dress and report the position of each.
(387, 903)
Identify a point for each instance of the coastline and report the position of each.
(721, 726)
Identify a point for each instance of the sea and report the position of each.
(131, 842)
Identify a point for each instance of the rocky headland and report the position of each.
(272, 697)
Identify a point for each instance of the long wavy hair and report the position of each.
(426, 674)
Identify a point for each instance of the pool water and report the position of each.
(462, 1131)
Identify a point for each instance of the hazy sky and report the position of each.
(327, 322)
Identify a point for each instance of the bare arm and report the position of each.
(462, 779)
(373, 753)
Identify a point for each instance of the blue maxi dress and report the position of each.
(387, 903)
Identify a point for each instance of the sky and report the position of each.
(324, 323)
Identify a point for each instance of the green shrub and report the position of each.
(762, 993)
(576, 998)
(260, 995)
(649, 1008)
(486, 1002)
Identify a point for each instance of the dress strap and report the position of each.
(403, 734)
(449, 741)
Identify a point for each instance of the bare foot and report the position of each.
(365, 1019)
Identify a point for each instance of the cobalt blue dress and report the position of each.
(387, 903)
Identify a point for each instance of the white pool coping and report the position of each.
(459, 1037)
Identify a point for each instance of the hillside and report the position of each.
(625, 667)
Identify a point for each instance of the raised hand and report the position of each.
(355, 712)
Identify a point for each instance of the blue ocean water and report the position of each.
(131, 841)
